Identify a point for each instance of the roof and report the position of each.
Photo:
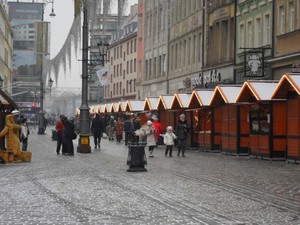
(135, 105)
(200, 98)
(6, 101)
(151, 103)
(258, 90)
(180, 101)
(122, 106)
(225, 93)
(164, 102)
(289, 82)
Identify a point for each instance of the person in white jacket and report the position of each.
(169, 138)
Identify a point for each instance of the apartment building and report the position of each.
(6, 47)
(253, 46)
(185, 43)
(122, 65)
(286, 37)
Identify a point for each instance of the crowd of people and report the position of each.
(150, 134)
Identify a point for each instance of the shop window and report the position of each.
(259, 119)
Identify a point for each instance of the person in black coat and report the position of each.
(182, 128)
(68, 135)
(128, 127)
(97, 129)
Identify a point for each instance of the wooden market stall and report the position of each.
(289, 88)
(234, 127)
(267, 119)
(136, 107)
(179, 105)
(203, 122)
(167, 117)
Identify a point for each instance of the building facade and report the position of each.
(6, 47)
(155, 48)
(122, 64)
(219, 42)
(286, 37)
(101, 32)
(185, 45)
(253, 45)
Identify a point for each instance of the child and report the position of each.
(169, 138)
(24, 134)
(149, 131)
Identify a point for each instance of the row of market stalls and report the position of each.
(259, 118)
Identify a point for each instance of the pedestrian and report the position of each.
(182, 128)
(158, 129)
(97, 129)
(119, 130)
(128, 129)
(68, 135)
(149, 131)
(111, 126)
(24, 133)
(136, 127)
(169, 138)
(59, 129)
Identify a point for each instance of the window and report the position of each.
(127, 67)
(134, 45)
(258, 32)
(267, 30)
(134, 67)
(242, 36)
(130, 66)
(281, 19)
(259, 119)
(127, 48)
(291, 16)
(250, 34)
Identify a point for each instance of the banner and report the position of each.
(103, 76)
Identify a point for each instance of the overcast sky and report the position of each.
(60, 26)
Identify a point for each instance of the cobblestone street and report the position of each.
(202, 188)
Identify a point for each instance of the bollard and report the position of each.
(136, 159)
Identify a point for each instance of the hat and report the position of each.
(182, 116)
(169, 128)
(62, 116)
(149, 122)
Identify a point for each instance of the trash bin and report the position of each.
(136, 159)
(54, 135)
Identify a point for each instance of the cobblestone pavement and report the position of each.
(95, 188)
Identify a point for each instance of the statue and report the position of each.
(11, 132)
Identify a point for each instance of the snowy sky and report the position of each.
(60, 26)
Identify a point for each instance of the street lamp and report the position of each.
(41, 112)
(36, 97)
(84, 119)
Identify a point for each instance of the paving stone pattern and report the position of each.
(95, 188)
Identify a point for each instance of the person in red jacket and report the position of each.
(59, 129)
(158, 129)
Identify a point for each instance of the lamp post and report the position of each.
(41, 129)
(84, 118)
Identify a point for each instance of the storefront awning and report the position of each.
(225, 94)
(150, 103)
(164, 102)
(200, 98)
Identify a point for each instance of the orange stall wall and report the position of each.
(293, 128)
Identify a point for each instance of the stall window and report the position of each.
(260, 119)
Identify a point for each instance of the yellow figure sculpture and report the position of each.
(11, 131)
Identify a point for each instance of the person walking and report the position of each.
(111, 126)
(68, 135)
(59, 129)
(97, 129)
(169, 138)
(128, 129)
(149, 131)
(182, 128)
(158, 129)
(119, 130)
(24, 133)
(136, 126)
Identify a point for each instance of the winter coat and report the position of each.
(182, 128)
(169, 138)
(149, 132)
